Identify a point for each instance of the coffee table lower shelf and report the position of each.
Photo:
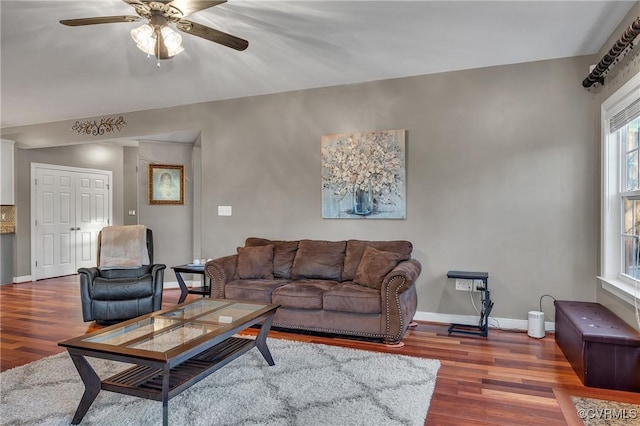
(146, 382)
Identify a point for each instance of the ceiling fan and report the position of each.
(156, 37)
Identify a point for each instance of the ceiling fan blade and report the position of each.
(187, 7)
(99, 20)
(134, 2)
(210, 34)
(140, 6)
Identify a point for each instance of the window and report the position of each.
(620, 251)
(627, 138)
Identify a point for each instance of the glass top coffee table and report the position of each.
(171, 349)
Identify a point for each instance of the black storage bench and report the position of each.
(603, 350)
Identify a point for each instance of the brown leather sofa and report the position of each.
(352, 288)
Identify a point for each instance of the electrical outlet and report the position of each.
(224, 210)
(469, 285)
(463, 285)
(478, 285)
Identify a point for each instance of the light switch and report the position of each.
(224, 210)
(132, 212)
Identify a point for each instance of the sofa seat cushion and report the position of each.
(122, 288)
(351, 297)
(302, 294)
(253, 290)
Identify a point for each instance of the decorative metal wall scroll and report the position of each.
(108, 124)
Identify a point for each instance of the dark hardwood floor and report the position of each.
(504, 379)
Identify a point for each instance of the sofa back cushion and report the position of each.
(283, 254)
(319, 259)
(255, 262)
(355, 250)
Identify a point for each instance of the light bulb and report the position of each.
(172, 40)
(142, 34)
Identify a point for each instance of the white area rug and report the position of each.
(310, 384)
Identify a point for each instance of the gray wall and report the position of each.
(129, 192)
(94, 156)
(172, 225)
(502, 176)
(131, 186)
(6, 258)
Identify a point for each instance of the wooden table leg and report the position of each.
(91, 386)
(184, 291)
(261, 340)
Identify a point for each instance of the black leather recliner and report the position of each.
(113, 295)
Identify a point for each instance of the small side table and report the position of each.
(482, 329)
(204, 290)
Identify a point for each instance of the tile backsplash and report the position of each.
(7, 219)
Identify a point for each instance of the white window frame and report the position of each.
(611, 262)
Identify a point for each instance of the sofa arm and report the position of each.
(408, 269)
(399, 299)
(220, 271)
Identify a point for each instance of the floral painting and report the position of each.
(363, 175)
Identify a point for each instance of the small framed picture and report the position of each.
(166, 184)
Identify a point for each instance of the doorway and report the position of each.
(69, 206)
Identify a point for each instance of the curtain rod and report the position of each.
(596, 75)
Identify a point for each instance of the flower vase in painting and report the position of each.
(362, 199)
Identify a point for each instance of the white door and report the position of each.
(70, 207)
(92, 214)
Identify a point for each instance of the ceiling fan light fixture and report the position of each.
(147, 48)
(143, 35)
(157, 36)
(172, 40)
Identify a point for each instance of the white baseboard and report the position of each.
(174, 284)
(23, 279)
(503, 323)
(189, 283)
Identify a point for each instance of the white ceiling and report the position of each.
(50, 72)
